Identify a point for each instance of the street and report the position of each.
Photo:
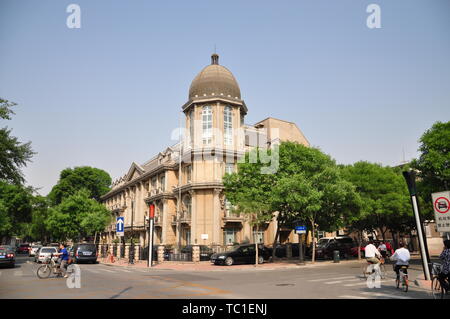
(322, 280)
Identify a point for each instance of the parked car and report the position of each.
(327, 245)
(242, 254)
(7, 256)
(84, 252)
(23, 249)
(205, 251)
(45, 252)
(34, 249)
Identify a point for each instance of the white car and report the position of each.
(34, 249)
(45, 252)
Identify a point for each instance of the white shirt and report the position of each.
(370, 251)
(402, 256)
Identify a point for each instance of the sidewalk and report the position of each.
(207, 266)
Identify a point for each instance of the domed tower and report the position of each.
(215, 109)
(214, 123)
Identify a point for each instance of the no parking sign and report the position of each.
(441, 206)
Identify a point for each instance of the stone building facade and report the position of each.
(184, 181)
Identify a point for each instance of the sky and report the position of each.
(110, 93)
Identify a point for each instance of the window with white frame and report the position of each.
(229, 168)
(162, 183)
(207, 125)
(228, 125)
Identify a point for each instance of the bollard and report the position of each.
(336, 257)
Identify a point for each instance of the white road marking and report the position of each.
(361, 283)
(341, 281)
(18, 273)
(353, 297)
(325, 279)
(377, 294)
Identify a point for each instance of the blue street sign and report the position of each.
(119, 226)
(300, 229)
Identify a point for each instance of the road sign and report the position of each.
(119, 226)
(300, 229)
(441, 206)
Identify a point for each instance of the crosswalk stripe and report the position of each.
(336, 278)
(378, 294)
(353, 297)
(341, 281)
(362, 283)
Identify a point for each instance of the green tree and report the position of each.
(38, 230)
(13, 154)
(384, 195)
(15, 209)
(77, 216)
(92, 179)
(307, 186)
(433, 165)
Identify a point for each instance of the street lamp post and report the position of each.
(410, 178)
(151, 216)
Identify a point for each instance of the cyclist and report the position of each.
(383, 249)
(371, 253)
(401, 257)
(445, 268)
(63, 259)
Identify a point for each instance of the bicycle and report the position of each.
(49, 266)
(437, 290)
(382, 269)
(404, 278)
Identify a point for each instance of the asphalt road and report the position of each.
(325, 280)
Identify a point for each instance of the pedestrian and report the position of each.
(445, 268)
(383, 249)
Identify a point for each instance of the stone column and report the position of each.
(216, 216)
(194, 238)
(160, 254)
(127, 251)
(196, 253)
(164, 222)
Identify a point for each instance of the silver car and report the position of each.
(45, 252)
(34, 249)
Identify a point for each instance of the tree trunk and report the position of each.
(256, 245)
(383, 233)
(313, 257)
(95, 238)
(359, 244)
(275, 242)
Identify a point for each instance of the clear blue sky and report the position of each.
(111, 92)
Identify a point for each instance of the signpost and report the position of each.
(151, 215)
(410, 178)
(119, 226)
(441, 206)
(300, 230)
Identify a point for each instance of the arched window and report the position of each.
(207, 125)
(228, 126)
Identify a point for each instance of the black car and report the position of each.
(205, 251)
(7, 256)
(326, 247)
(242, 254)
(281, 250)
(84, 253)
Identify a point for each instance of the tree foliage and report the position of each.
(307, 187)
(96, 181)
(77, 216)
(13, 154)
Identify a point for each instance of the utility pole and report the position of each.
(131, 253)
(151, 216)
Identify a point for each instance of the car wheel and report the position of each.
(260, 260)
(229, 261)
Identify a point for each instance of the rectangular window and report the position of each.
(229, 236)
(258, 236)
(229, 168)
(207, 125)
(188, 173)
(162, 183)
(228, 126)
